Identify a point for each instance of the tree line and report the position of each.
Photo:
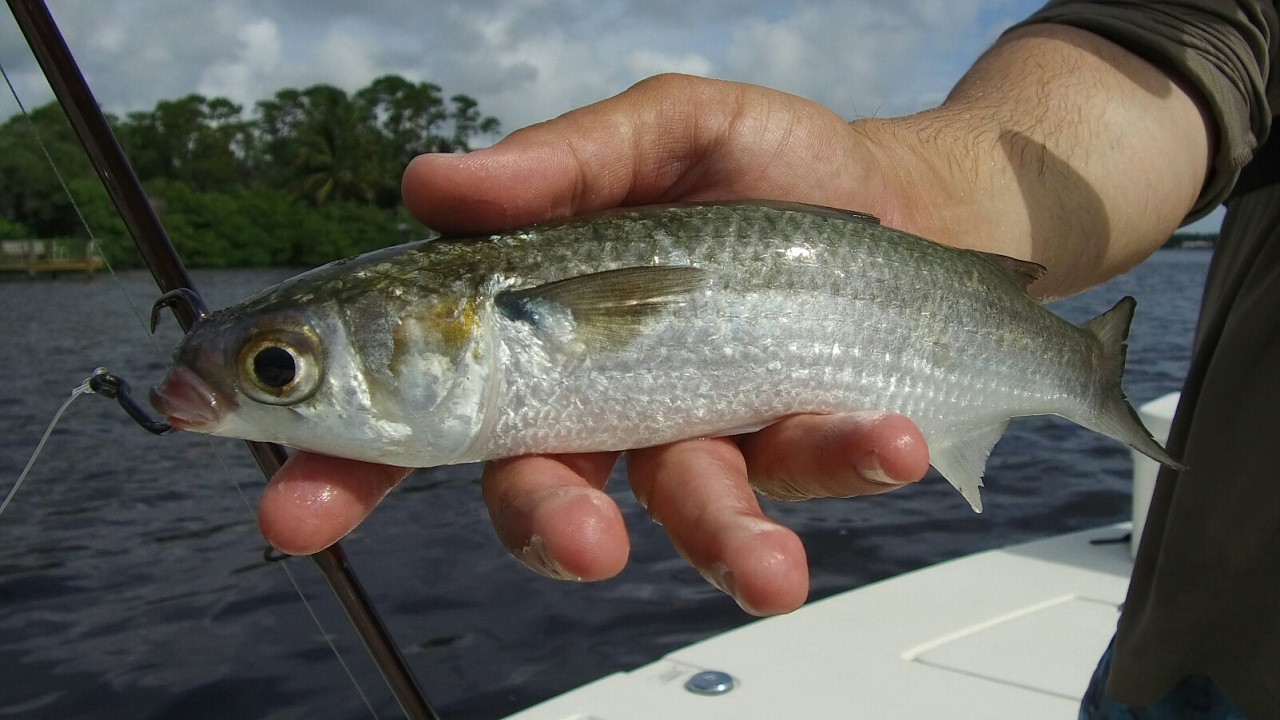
(305, 177)
(1182, 239)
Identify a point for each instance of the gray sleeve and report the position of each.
(1226, 49)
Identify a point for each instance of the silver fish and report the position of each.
(637, 327)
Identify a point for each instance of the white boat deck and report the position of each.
(1008, 633)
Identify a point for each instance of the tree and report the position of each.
(405, 115)
(326, 146)
(31, 194)
(405, 119)
(468, 122)
(311, 175)
(336, 153)
(10, 230)
(202, 142)
(317, 142)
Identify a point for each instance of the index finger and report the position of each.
(314, 500)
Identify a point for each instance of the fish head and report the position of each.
(255, 376)
(360, 376)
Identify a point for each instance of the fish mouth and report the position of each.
(187, 401)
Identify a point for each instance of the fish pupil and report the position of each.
(274, 367)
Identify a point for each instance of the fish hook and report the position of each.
(179, 297)
(114, 388)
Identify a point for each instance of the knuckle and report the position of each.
(663, 83)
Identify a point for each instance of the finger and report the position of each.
(698, 491)
(314, 500)
(667, 138)
(551, 514)
(808, 456)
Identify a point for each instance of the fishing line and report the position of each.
(84, 388)
(93, 239)
(77, 392)
(328, 638)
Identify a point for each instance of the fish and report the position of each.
(636, 327)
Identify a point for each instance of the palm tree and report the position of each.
(335, 157)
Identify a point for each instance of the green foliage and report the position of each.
(100, 215)
(13, 231)
(30, 192)
(242, 227)
(199, 141)
(310, 176)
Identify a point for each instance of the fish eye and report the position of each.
(280, 367)
(274, 367)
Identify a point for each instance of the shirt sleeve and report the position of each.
(1226, 49)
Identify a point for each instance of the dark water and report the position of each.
(132, 583)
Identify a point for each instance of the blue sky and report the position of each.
(524, 60)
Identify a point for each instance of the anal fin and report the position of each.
(963, 461)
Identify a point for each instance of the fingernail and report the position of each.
(720, 576)
(868, 467)
(724, 580)
(535, 556)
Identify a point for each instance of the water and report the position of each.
(132, 581)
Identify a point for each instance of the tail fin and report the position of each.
(1115, 417)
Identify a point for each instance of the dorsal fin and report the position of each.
(812, 209)
(1020, 272)
(1117, 418)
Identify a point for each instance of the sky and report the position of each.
(524, 60)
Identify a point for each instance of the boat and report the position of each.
(1014, 632)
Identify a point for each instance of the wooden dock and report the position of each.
(49, 256)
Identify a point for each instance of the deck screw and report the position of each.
(710, 682)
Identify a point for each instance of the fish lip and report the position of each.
(188, 402)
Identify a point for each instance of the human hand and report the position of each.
(1021, 160)
(668, 139)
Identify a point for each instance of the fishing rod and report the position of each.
(180, 294)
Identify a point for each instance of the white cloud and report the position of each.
(863, 57)
(646, 63)
(531, 76)
(524, 61)
(241, 77)
(347, 59)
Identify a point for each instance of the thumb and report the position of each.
(646, 145)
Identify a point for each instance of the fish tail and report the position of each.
(1115, 417)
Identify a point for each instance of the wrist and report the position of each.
(934, 180)
(1058, 147)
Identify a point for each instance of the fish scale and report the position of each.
(637, 327)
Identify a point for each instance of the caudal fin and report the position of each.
(1115, 417)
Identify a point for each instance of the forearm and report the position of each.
(1057, 146)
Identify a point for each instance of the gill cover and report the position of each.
(435, 365)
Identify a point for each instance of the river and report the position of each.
(133, 584)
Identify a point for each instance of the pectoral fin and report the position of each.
(964, 461)
(608, 308)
